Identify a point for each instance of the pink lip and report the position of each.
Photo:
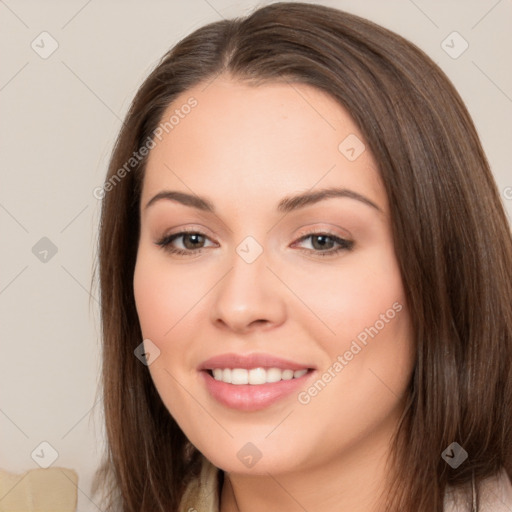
(248, 397)
(250, 361)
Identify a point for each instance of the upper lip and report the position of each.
(249, 361)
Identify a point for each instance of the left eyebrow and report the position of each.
(300, 201)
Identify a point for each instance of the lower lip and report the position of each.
(251, 397)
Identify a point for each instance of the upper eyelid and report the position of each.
(200, 231)
(331, 232)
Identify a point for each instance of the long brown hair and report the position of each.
(451, 237)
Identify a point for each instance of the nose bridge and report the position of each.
(249, 292)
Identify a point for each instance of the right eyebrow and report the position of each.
(194, 201)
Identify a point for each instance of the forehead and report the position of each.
(240, 142)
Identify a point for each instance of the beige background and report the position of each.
(59, 118)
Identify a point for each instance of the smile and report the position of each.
(255, 376)
(252, 382)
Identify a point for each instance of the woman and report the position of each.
(305, 279)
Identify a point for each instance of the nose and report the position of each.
(248, 297)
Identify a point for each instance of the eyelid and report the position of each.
(190, 228)
(318, 229)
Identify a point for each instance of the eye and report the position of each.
(324, 244)
(191, 241)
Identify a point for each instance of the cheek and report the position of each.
(172, 308)
(363, 326)
(369, 356)
(352, 297)
(164, 296)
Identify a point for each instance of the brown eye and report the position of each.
(191, 242)
(324, 244)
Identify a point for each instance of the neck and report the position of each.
(353, 480)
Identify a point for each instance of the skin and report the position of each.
(245, 148)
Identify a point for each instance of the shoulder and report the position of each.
(202, 493)
(495, 496)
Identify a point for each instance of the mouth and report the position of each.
(253, 382)
(255, 376)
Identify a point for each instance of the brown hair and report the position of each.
(451, 237)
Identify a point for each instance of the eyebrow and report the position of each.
(287, 204)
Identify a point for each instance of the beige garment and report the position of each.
(39, 490)
(202, 494)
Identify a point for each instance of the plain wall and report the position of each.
(59, 118)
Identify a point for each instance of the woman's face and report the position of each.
(279, 334)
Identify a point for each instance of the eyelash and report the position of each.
(344, 244)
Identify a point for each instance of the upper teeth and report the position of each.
(255, 375)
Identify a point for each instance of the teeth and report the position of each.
(287, 374)
(226, 375)
(255, 376)
(239, 376)
(274, 375)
